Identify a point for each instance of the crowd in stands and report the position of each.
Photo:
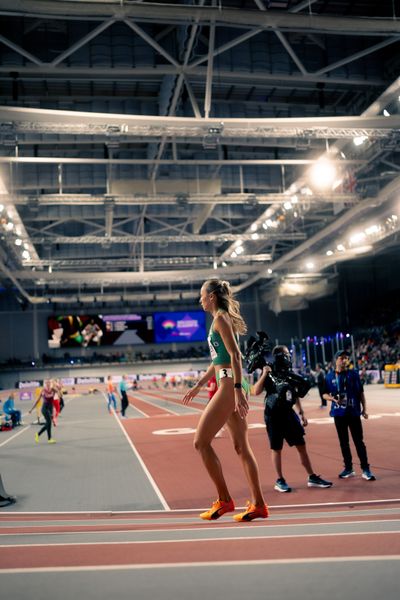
(378, 346)
(96, 358)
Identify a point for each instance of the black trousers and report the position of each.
(353, 424)
(124, 403)
(47, 412)
(321, 395)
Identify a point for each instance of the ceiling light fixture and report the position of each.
(359, 140)
(323, 174)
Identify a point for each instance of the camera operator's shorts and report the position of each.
(284, 425)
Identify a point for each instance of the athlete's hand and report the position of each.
(241, 403)
(190, 394)
(364, 414)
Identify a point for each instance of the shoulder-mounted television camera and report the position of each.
(258, 353)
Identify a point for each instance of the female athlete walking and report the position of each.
(48, 392)
(229, 405)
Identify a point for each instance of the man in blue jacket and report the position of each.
(344, 389)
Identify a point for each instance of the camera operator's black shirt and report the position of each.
(280, 395)
(282, 391)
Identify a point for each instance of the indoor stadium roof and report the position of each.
(147, 146)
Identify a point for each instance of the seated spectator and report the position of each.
(10, 410)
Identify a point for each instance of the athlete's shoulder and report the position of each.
(221, 319)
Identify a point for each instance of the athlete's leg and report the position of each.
(239, 432)
(213, 418)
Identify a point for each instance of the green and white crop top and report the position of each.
(219, 354)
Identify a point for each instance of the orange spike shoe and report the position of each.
(252, 512)
(219, 508)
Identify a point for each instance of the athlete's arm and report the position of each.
(190, 394)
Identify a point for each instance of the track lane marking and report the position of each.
(141, 462)
(185, 565)
(206, 539)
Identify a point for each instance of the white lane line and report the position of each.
(178, 530)
(172, 511)
(15, 435)
(176, 400)
(206, 539)
(168, 410)
(138, 410)
(142, 464)
(206, 564)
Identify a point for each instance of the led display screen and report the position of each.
(71, 331)
(185, 326)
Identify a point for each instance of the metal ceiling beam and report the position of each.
(178, 14)
(132, 277)
(357, 55)
(82, 42)
(209, 78)
(20, 51)
(164, 199)
(130, 263)
(156, 73)
(151, 239)
(58, 160)
(70, 122)
(151, 41)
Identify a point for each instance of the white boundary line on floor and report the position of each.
(231, 525)
(141, 462)
(155, 405)
(198, 540)
(172, 511)
(23, 428)
(233, 564)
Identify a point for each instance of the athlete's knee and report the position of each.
(242, 447)
(200, 444)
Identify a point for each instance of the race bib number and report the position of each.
(225, 373)
(213, 352)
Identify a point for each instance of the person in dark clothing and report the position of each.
(123, 388)
(344, 389)
(320, 378)
(284, 388)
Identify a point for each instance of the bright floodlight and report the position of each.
(310, 265)
(359, 140)
(356, 238)
(323, 174)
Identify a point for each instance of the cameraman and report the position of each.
(284, 388)
(344, 389)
